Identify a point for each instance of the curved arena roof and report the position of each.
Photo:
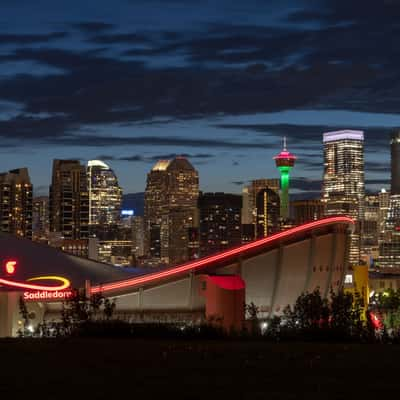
(40, 260)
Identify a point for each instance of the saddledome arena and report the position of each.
(270, 272)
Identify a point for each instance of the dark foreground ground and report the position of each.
(133, 369)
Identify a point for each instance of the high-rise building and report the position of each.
(16, 203)
(285, 162)
(370, 227)
(268, 212)
(389, 247)
(384, 204)
(69, 200)
(249, 208)
(219, 222)
(395, 163)
(138, 236)
(105, 194)
(170, 210)
(307, 210)
(40, 219)
(343, 183)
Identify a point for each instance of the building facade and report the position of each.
(249, 208)
(343, 182)
(170, 210)
(395, 163)
(69, 200)
(40, 219)
(268, 213)
(16, 203)
(105, 194)
(219, 222)
(307, 210)
(370, 230)
(389, 247)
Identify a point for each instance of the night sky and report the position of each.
(220, 81)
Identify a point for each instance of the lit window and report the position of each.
(348, 278)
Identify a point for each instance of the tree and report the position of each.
(24, 313)
(252, 311)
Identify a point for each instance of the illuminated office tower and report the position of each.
(395, 163)
(138, 236)
(285, 162)
(220, 225)
(249, 208)
(370, 227)
(40, 219)
(307, 210)
(343, 183)
(105, 194)
(268, 212)
(384, 204)
(389, 247)
(69, 200)
(16, 203)
(170, 208)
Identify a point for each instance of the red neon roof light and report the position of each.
(285, 155)
(197, 265)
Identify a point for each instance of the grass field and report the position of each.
(132, 369)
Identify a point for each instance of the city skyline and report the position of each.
(220, 83)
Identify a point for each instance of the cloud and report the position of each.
(154, 158)
(379, 182)
(220, 69)
(376, 166)
(306, 184)
(118, 38)
(301, 136)
(92, 26)
(26, 39)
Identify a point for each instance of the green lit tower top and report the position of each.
(284, 162)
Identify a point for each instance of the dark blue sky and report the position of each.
(132, 81)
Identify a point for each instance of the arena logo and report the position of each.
(48, 296)
(63, 283)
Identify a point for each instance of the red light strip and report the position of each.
(204, 262)
(65, 283)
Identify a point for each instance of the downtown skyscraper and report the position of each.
(250, 214)
(343, 183)
(69, 200)
(170, 211)
(105, 194)
(16, 203)
(219, 222)
(395, 163)
(389, 246)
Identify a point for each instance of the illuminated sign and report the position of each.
(45, 295)
(11, 266)
(64, 283)
(127, 213)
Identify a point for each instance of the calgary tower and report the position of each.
(285, 162)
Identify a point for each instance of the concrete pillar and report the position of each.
(9, 310)
(332, 265)
(277, 278)
(311, 261)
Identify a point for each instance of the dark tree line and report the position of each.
(342, 316)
